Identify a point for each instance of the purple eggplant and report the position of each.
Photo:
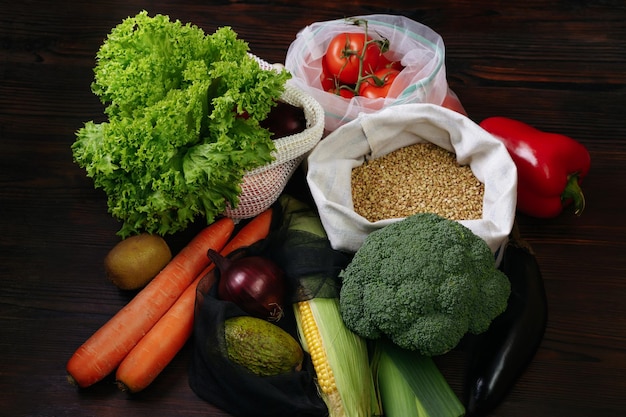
(498, 357)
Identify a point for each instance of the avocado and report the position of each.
(261, 347)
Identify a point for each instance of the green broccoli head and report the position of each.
(423, 282)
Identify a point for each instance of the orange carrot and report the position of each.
(168, 336)
(159, 346)
(257, 229)
(110, 344)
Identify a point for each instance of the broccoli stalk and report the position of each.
(423, 282)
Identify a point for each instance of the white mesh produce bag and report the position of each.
(420, 50)
(261, 187)
(330, 164)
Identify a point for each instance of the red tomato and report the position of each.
(378, 86)
(343, 92)
(385, 62)
(344, 53)
(453, 103)
(326, 78)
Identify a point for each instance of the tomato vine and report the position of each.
(353, 62)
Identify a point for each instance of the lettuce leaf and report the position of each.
(175, 145)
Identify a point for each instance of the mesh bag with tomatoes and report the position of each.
(262, 186)
(365, 63)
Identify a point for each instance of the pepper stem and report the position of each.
(573, 192)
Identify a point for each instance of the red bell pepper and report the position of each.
(550, 167)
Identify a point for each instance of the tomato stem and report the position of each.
(347, 52)
(382, 45)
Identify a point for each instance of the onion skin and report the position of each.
(254, 283)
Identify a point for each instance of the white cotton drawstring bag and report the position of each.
(369, 136)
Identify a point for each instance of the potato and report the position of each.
(133, 262)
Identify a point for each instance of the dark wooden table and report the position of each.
(560, 66)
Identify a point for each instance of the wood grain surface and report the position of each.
(558, 65)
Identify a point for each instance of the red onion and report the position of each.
(284, 120)
(255, 283)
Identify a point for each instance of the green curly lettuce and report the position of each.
(175, 145)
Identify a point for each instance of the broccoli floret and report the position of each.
(423, 282)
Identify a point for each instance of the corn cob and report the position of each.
(312, 339)
(340, 357)
(411, 385)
